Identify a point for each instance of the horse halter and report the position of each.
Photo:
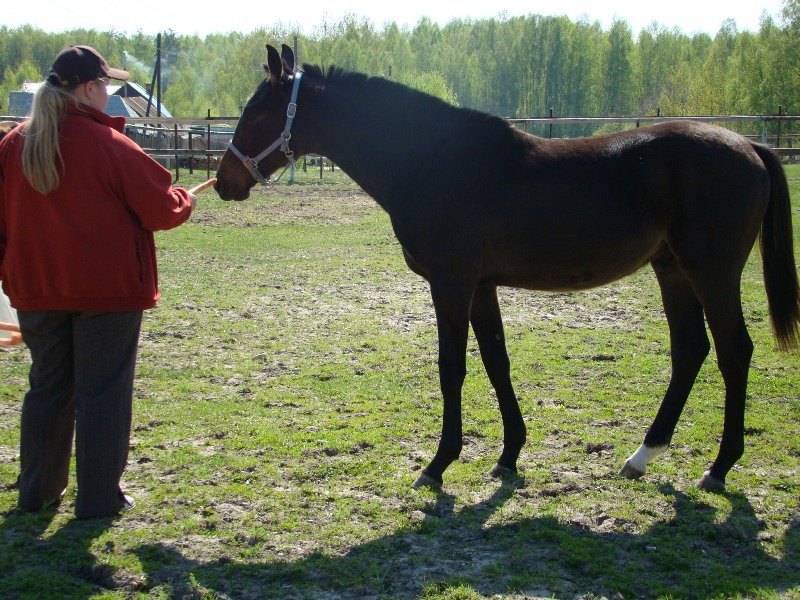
(282, 143)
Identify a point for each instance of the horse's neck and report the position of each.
(366, 140)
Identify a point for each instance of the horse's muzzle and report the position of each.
(231, 191)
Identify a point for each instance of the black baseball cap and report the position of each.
(79, 64)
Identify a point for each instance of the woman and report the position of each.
(78, 204)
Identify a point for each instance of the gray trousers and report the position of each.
(81, 382)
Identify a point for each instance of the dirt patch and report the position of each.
(321, 203)
(403, 301)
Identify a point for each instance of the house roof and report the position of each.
(117, 107)
(127, 100)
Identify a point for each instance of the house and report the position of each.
(126, 100)
(130, 100)
(21, 102)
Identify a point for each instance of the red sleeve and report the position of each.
(3, 226)
(147, 188)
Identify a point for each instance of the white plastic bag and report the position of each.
(9, 325)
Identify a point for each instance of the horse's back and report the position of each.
(718, 189)
(596, 209)
(667, 172)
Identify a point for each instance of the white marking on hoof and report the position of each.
(636, 465)
(710, 483)
(426, 481)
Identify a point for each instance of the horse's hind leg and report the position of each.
(734, 349)
(689, 347)
(487, 324)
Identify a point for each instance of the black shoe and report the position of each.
(54, 503)
(51, 504)
(128, 503)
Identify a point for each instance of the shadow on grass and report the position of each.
(58, 566)
(692, 555)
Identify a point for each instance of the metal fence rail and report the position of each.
(770, 126)
(197, 143)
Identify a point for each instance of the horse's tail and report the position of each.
(777, 254)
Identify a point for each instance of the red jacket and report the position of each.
(87, 245)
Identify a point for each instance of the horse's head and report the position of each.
(260, 142)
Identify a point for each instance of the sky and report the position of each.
(201, 18)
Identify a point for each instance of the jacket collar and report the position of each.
(88, 112)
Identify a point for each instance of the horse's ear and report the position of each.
(274, 65)
(287, 55)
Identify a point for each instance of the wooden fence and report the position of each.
(199, 143)
(189, 144)
(183, 143)
(769, 126)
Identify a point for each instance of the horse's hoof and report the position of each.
(427, 481)
(628, 471)
(500, 472)
(711, 484)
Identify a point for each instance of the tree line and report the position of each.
(511, 67)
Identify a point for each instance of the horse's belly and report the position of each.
(560, 269)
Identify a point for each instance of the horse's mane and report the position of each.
(390, 93)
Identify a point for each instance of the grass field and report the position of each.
(287, 397)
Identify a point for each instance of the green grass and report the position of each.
(287, 396)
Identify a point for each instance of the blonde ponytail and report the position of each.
(41, 154)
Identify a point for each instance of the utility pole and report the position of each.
(158, 69)
(125, 68)
(155, 85)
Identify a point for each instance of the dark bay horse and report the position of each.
(477, 204)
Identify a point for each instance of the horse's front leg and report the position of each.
(487, 323)
(451, 299)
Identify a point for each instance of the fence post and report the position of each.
(208, 147)
(551, 125)
(177, 159)
(778, 138)
(764, 131)
(191, 153)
